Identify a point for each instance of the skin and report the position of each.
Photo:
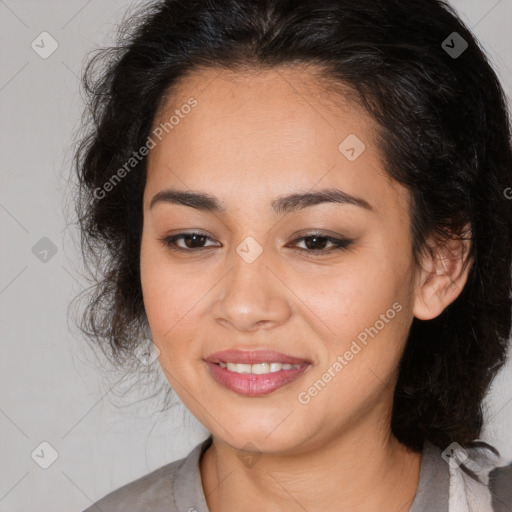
(253, 137)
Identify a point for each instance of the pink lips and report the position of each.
(251, 384)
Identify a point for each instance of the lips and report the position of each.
(253, 357)
(252, 384)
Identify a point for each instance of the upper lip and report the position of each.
(253, 357)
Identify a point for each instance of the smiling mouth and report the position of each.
(254, 373)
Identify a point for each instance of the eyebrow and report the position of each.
(282, 204)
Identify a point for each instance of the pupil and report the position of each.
(188, 238)
(316, 238)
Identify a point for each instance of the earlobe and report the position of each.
(442, 276)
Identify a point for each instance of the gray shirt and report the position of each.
(177, 487)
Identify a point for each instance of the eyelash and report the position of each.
(338, 244)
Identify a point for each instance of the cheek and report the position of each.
(169, 293)
(352, 295)
(363, 310)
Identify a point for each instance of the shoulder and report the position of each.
(500, 485)
(483, 459)
(153, 490)
(169, 488)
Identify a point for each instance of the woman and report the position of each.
(303, 205)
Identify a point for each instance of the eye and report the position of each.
(193, 241)
(315, 243)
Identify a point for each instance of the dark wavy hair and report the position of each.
(444, 133)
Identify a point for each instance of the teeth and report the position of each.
(258, 368)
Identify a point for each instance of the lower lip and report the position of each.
(250, 384)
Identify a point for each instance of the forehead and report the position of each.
(271, 131)
(298, 98)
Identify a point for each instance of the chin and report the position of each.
(263, 438)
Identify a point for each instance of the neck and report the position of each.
(357, 472)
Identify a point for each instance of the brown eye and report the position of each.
(316, 244)
(192, 241)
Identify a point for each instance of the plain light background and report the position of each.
(53, 389)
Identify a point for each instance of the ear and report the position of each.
(443, 272)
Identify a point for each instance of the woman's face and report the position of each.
(254, 278)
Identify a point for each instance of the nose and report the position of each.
(251, 296)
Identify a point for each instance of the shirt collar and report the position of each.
(188, 489)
